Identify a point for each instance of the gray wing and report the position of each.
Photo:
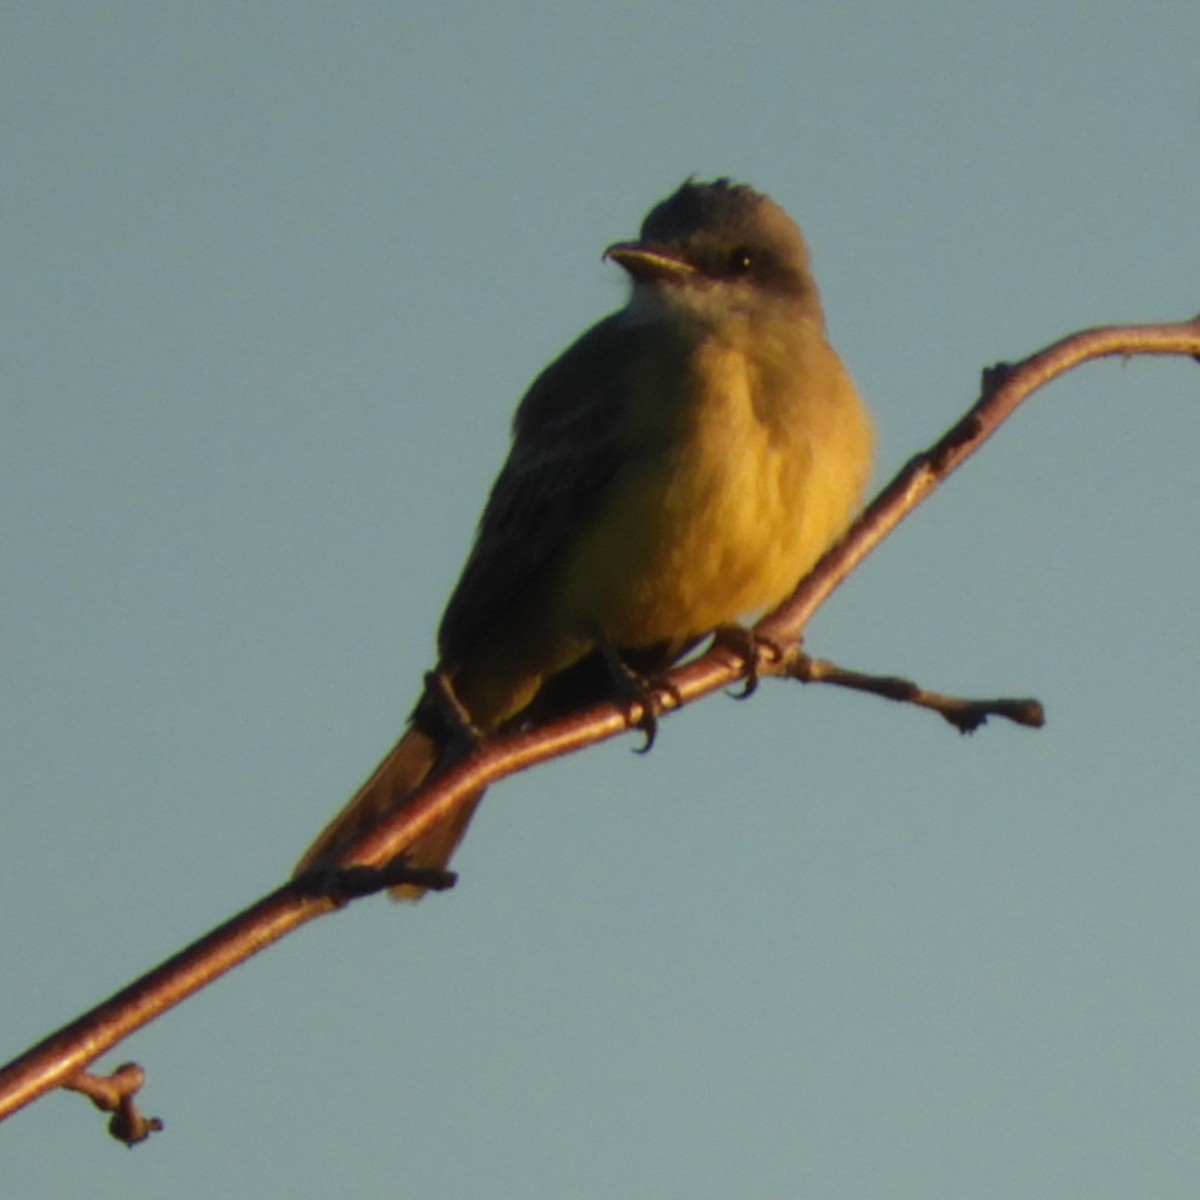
(567, 445)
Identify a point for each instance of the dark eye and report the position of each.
(740, 260)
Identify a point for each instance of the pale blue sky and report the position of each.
(275, 276)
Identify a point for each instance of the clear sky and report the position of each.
(274, 277)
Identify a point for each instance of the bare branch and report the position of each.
(60, 1058)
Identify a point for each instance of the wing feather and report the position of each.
(567, 445)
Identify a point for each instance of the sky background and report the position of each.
(274, 278)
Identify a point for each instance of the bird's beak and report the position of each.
(646, 264)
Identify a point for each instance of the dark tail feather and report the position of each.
(385, 794)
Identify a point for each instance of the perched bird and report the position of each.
(679, 467)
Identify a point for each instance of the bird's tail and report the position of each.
(385, 793)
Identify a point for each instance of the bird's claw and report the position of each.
(751, 647)
(637, 691)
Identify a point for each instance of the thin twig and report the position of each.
(965, 715)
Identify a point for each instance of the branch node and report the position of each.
(343, 884)
(993, 378)
(115, 1094)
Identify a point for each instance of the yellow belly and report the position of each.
(726, 518)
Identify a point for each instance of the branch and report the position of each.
(965, 715)
(61, 1057)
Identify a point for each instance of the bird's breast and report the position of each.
(740, 471)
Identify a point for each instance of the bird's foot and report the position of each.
(462, 734)
(639, 692)
(753, 649)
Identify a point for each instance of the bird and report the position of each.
(677, 469)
